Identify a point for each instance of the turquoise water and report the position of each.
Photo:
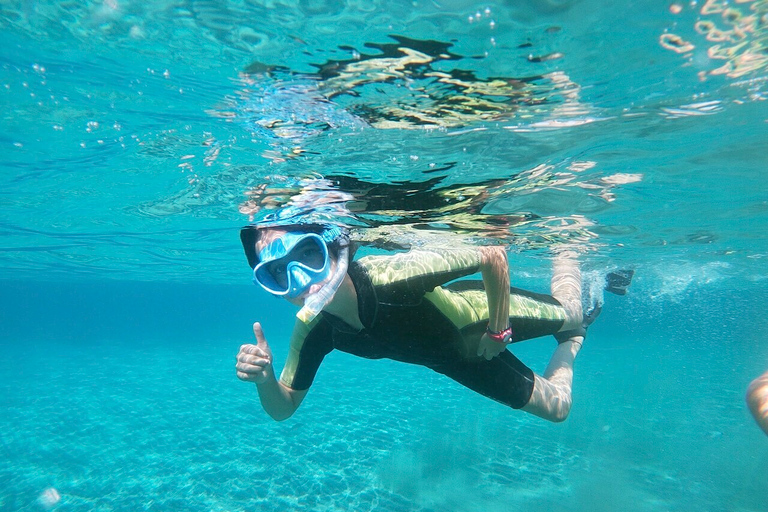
(134, 135)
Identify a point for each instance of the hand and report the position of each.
(489, 348)
(254, 362)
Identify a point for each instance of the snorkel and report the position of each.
(316, 302)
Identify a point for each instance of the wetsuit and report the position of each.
(409, 316)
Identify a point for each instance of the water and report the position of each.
(134, 136)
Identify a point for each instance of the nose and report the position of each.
(299, 279)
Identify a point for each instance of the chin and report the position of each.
(297, 301)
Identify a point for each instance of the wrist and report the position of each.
(267, 375)
(502, 336)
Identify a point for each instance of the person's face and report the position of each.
(306, 252)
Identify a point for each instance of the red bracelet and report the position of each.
(503, 336)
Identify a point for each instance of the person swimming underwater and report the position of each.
(412, 307)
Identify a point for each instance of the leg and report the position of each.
(504, 378)
(551, 398)
(566, 288)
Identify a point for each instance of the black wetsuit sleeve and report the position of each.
(309, 346)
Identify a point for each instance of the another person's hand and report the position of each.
(757, 400)
(254, 362)
(489, 348)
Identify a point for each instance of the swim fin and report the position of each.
(617, 282)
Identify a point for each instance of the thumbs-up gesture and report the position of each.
(254, 362)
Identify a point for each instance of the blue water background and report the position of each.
(124, 295)
(129, 402)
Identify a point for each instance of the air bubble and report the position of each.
(49, 498)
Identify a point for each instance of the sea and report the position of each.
(137, 138)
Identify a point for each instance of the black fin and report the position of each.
(617, 282)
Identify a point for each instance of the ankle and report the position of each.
(576, 343)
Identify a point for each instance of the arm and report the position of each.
(278, 400)
(254, 364)
(494, 268)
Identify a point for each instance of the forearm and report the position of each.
(275, 398)
(494, 268)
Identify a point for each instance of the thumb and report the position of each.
(261, 341)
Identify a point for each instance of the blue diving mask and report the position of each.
(292, 263)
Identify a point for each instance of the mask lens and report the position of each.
(278, 271)
(304, 263)
(310, 252)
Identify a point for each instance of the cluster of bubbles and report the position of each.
(738, 33)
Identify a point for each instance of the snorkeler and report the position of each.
(757, 400)
(410, 307)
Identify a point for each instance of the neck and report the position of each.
(344, 304)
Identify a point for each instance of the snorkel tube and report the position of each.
(315, 303)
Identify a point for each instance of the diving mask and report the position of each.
(292, 263)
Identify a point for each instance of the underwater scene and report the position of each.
(138, 138)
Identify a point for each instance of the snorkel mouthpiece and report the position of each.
(316, 302)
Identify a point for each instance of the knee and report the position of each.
(554, 409)
(561, 412)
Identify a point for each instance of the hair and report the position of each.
(251, 234)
